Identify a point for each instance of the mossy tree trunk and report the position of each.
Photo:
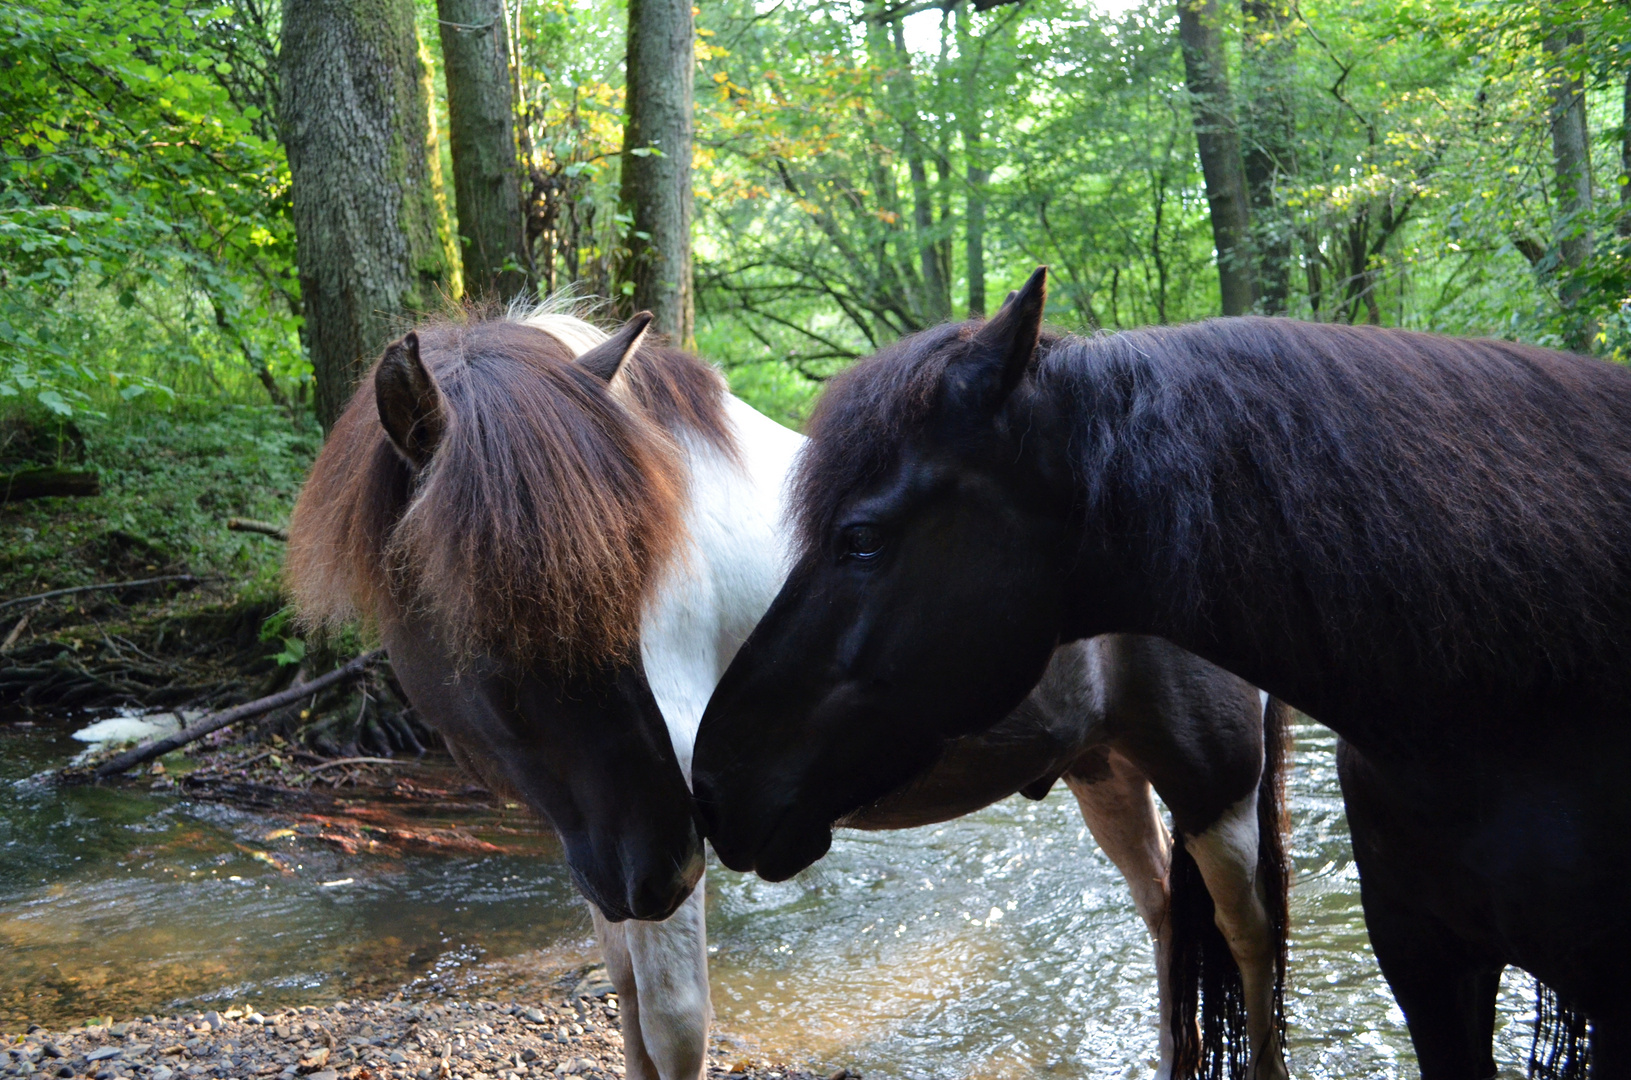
(481, 128)
(370, 224)
(656, 182)
(1212, 107)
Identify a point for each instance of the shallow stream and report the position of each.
(1000, 945)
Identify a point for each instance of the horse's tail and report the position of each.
(1273, 830)
(1208, 1002)
(1560, 1049)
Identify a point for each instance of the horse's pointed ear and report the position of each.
(1009, 299)
(604, 359)
(1002, 349)
(410, 403)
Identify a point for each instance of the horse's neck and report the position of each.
(732, 566)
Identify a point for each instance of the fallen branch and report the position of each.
(147, 752)
(265, 528)
(45, 483)
(353, 761)
(54, 593)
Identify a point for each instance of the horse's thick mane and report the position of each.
(1472, 495)
(547, 513)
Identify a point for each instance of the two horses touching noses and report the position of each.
(563, 538)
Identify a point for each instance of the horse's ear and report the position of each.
(1009, 299)
(410, 403)
(1002, 349)
(604, 359)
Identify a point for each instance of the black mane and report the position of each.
(1390, 473)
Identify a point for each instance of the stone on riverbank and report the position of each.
(575, 1035)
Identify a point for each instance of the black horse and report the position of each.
(1424, 542)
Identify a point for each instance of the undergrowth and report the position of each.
(170, 480)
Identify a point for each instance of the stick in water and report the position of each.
(216, 721)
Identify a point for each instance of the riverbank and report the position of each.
(573, 1033)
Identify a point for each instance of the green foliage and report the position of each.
(170, 479)
(143, 205)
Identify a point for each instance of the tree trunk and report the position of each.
(1625, 162)
(1219, 143)
(656, 188)
(369, 221)
(1270, 142)
(1571, 159)
(974, 225)
(481, 128)
(978, 172)
(936, 289)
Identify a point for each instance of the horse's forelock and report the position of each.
(858, 425)
(536, 533)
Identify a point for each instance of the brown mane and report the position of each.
(545, 517)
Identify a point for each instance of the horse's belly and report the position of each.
(1525, 864)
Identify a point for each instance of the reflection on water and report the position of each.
(999, 945)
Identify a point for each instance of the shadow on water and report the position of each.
(1002, 944)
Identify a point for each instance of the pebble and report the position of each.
(570, 1034)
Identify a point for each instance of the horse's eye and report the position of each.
(862, 541)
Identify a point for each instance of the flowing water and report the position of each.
(999, 945)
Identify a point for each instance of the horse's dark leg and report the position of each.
(1119, 807)
(1448, 996)
(1446, 989)
(1611, 1047)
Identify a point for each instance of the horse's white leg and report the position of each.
(1226, 853)
(1121, 813)
(663, 989)
(614, 944)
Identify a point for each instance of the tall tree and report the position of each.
(481, 129)
(971, 120)
(1571, 159)
(935, 304)
(1624, 227)
(370, 227)
(1269, 70)
(1212, 107)
(657, 136)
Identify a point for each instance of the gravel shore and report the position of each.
(360, 1040)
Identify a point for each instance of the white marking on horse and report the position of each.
(1226, 853)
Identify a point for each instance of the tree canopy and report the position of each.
(861, 169)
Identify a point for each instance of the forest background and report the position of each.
(860, 170)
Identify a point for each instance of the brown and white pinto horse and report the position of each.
(562, 540)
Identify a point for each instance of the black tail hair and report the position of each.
(1204, 978)
(1561, 1050)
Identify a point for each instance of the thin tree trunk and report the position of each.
(1571, 158)
(1207, 76)
(974, 228)
(369, 221)
(1624, 227)
(978, 172)
(481, 128)
(1269, 135)
(656, 188)
(936, 289)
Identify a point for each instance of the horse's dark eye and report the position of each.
(862, 541)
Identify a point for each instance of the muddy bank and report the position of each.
(568, 1034)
